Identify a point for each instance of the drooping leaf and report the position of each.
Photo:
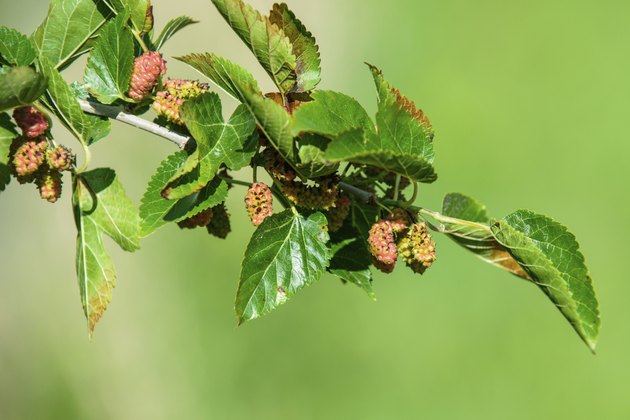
(172, 27)
(100, 206)
(62, 101)
(20, 86)
(136, 9)
(110, 64)
(304, 47)
(550, 254)
(286, 253)
(156, 211)
(67, 27)
(7, 134)
(266, 40)
(16, 48)
(272, 119)
(330, 114)
(357, 146)
(232, 143)
(352, 264)
(468, 224)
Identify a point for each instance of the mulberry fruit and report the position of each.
(219, 226)
(317, 197)
(200, 219)
(338, 214)
(60, 158)
(417, 249)
(147, 70)
(399, 220)
(277, 167)
(168, 102)
(28, 157)
(49, 185)
(32, 121)
(259, 203)
(383, 246)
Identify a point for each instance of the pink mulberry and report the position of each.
(147, 70)
(259, 203)
(28, 157)
(168, 102)
(32, 121)
(383, 246)
(60, 158)
(49, 185)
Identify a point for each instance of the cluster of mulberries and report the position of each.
(339, 213)
(33, 159)
(417, 248)
(32, 121)
(259, 203)
(169, 101)
(277, 167)
(382, 243)
(147, 71)
(201, 219)
(220, 226)
(321, 196)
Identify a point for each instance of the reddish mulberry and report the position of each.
(417, 248)
(49, 185)
(60, 158)
(338, 214)
(219, 226)
(383, 246)
(28, 157)
(147, 70)
(32, 121)
(317, 197)
(168, 102)
(200, 219)
(259, 203)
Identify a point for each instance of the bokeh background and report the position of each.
(530, 102)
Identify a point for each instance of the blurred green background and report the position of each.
(530, 103)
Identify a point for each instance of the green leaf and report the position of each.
(110, 64)
(136, 9)
(304, 47)
(100, 206)
(16, 48)
(550, 254)
(267, 41)
(156, 211)
(363, 217)
(286, 253)
(468, 224)
(67, 27)
(313, 163)
(62, 101)
(172, 27)
(232, 143)
(330, 114)
(357, 146)
(112, 211)
(20, 86)
(352, 263)
(272, 119)
(7, 134)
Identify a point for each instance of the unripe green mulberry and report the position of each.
(219, 226)
(200, 219)
(49, 185)
(169, 101)
(383, 246)
(60, 158)
(32, 121)
(338, 214)
(259, 203)
(417, 249)
(147, 70)
(399, 220)
(315, 197)
(28, 156)
(277, 167)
